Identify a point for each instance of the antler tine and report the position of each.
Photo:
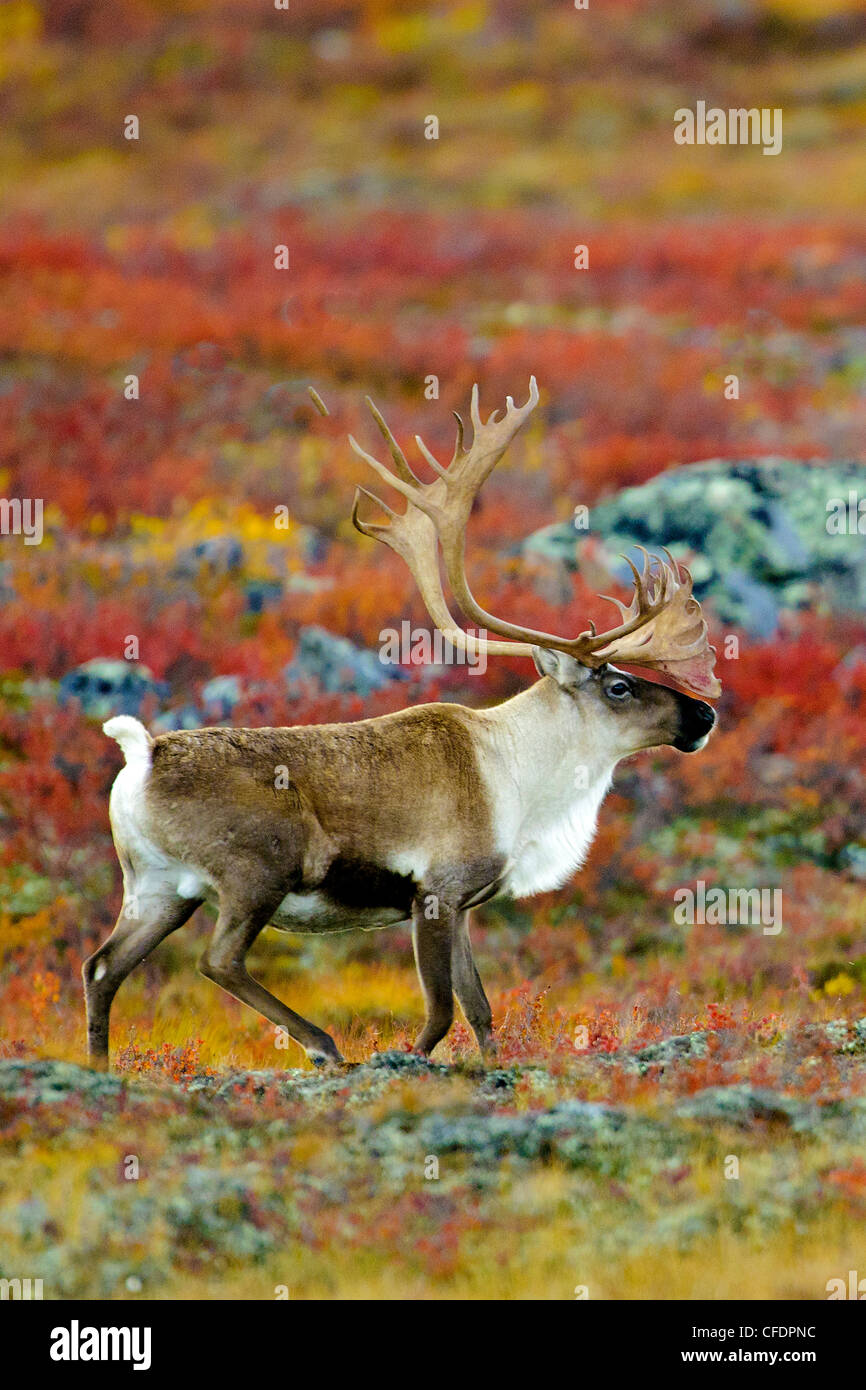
(511, 410)
(458, 445)
(471, 467)
(433, 462)
(369, 528)
(474, 411)
(654, 588)
(448, 502)
(640, 593)
(664, 630)
(400, 461)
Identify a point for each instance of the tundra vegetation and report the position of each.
(677, 1107)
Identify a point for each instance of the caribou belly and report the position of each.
(316, 912)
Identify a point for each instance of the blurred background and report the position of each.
(154, 371)
(166, 586)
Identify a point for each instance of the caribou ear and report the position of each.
(546, 662)
(561, 667)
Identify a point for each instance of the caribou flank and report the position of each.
(419, 815)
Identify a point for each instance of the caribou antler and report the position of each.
(413, 536)
(662, 629)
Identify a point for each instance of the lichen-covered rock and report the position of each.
(845, 1037)
(406, 1062)
(682, 1048)
(362, 1082)
(743, 1105)
(104, 687)
(46, 1082)
(223, 1214)
(764, 535)
(578, 1133)
(326, 662)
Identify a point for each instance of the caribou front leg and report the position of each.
(468, 987)
(433, 925)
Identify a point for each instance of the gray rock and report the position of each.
(757, 529)
(683, 1047)
(220, 696)
(46, 1082)
(407, 1062)
(104, 687)
(217, 555)
(853, 859)
(743, 1105)
(334, 665)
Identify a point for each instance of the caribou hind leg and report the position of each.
(238, 925)
(146, 918)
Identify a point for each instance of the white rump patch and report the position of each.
(153, 873)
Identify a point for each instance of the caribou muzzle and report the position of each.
(696, 720)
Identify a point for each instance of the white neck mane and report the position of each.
(546, 784)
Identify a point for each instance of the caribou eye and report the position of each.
(618, 690)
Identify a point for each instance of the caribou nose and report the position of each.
(696, 720)
(704, 715)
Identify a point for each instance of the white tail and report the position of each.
(134, 740)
